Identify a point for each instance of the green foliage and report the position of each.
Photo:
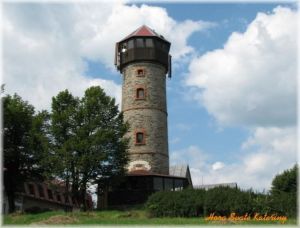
(285, 182)
(88, 144)
(25, 142)
(196, 202)
(223, 201)
(80, 141)
(283, 199)
(187, 203)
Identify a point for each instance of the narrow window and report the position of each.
(130, 44)
(149, 43)
(140, 72)
(50, 194)
(140, 93)
(140, 138)
(124, 47)
(41, 191)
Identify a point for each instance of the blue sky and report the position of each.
(232, 95)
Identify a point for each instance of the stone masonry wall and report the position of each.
(148, 115)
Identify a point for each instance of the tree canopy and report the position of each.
(286, 181)
(88, 143)
(25, 142)
(80, 142)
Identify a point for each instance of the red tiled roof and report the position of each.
(143, 31)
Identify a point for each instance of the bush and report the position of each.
(224, 200)
(260, 203)
(187, 203)
(282, 200)
(283, 203)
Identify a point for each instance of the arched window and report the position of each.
(140, 93)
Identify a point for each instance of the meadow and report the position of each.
(117, 217)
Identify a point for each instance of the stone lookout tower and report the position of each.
(143, 59)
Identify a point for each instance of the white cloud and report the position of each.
(46, 46)
(267, 152)
(123, 19)
(41, 57)
(218, 165)
(252, 80)
(192, 155)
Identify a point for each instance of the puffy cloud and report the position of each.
(46, 46)
(123, 19)
(192, 155)
(41, 57)
(267, 152)
(252, 81)
(218, 165)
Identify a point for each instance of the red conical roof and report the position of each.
(144, 31)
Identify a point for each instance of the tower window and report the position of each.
(130, 44)
(139, 43)
(140, 93)
(139, 138)
(149, 43)
(140, 72)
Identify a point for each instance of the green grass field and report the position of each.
(114, 217)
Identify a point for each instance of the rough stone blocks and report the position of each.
(147, 115)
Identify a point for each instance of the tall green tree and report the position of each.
(25, 141)
(101, 145)
(63, 156)
(88, 140)
(284, 192)
(286, 181)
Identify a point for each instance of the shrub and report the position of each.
(224, 200)
(283, 203)
(196, 202)
(187, 203)
(282, 200)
